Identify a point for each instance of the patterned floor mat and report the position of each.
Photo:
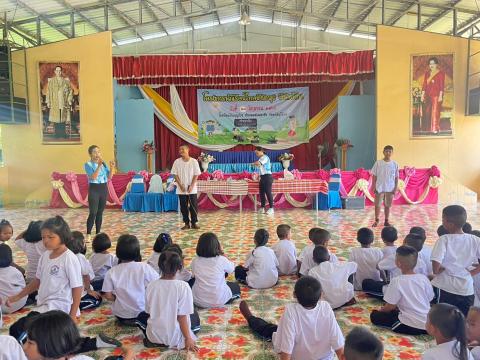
(224, 333)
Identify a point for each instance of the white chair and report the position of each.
(156, 185)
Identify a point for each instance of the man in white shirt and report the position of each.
(186, 171)
(384, 183)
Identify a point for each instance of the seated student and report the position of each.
(307, 329)
(416, 241)
(361, 344)
(209, 268)
(169, 318)
(452, 254)
(163, 240)
(183, 274)
(366, 258)
(6, 233)
(389, 236)
(473, 331)
(101, 259)
(467, 228)
(125, 284)
(446, 324)
(336, 289)
(11, 281)
(319, 237)
(30, 241)
(441, 231)
(425, 252)
(260, 270)
(285, 251)
(90, 298)
(407, 297)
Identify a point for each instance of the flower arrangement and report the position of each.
(206, 158)
(286, 156)
(148, 147)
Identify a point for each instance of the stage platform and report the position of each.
(224, 333)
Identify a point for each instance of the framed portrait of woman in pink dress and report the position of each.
(432, 96)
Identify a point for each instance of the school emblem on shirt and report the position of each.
(54, 270)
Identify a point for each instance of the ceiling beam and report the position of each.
(364, 14)
(333, 13)
(80, 15)
(155, 18)
(127, 20)
(438, 16)
(157, 7)
(23, 34)
(466, 25)
(396, 18)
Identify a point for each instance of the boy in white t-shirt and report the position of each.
(336, 289)
(425, 252)
(307, 329)
(319, 237)
(366, 258)
(169, 318)
(384, 183)
(11, 281)
(101, 260)
(285, 251)
(407, 297)
(473, 331)
(452, 256)
(362, 344)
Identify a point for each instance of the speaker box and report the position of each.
(353, 202)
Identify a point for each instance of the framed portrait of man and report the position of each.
(60, 102)
(432, 96)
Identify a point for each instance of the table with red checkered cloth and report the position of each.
(308, 186)
(222, 187)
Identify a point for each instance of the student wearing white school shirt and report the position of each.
(169, 318)
(163, 240)
(446, 324)
(389, 235)
(452, 255)
(59, 284)
(336, 289)
(183, 274)
(425, 252)
(473, 331)
(30, 242)
(101, 260)
(285, 251)
(186, 171)
(366, 258)
(125, 284)
(260, 271)
(407, 297)
(319, 237)
(209, 268)
(11, 281)
(307, 329)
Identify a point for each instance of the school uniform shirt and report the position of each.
(412, 295)
(265, 167)
(366, 260)
(456, 252)
(308, 334)
(287, 257)
(425, 254)
(388, 264)
(102, 178)
(153, 261)
(87, 270)
(57, 279)
(128, 282)
(444, 352)
(33, 251)
(262, 268)
(386, 172)
(11, 283)
(101, 263)
(10, 349)
(167, 299)
(388, 250)
(210, 288)
(306, 258)
(185, 171)
(476, 352)
(333, 277)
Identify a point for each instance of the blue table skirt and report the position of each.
(243, 157)
(143, 202)
(238, 168)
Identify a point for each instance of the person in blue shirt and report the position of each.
(266, 180)
(98, 175)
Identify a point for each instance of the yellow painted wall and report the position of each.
(457, 158)
(28, 162)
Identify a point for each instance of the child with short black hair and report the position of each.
(441, 231)
(366, 258)
(90, 298)
(467, 228)
(163, 240)
(407, 297)
(307, 329)
(260, 270)
(11, 281)
(30, 241)
(425, 252)
(446, 324)
(389, 236)
(362, 344)
(318, 237)
(6, 231)
(182, 274)
(473, 331)
(101, 260)
(285, 251)
(169, 318)
(336, 289)
(125, 284)
(452, 255)
(209, 268)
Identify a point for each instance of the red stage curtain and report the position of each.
(321, 94)
(243, 69)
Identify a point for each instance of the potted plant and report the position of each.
(286, 158)
(205, 159)
(148, 148)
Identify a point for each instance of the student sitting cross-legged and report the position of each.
(407, 297)
(361, 344)
(307, 329)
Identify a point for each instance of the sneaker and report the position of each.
(270, 211)
(387, 223)
(195, 226)
(375, 224)
(186, 227)
(261, 211)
